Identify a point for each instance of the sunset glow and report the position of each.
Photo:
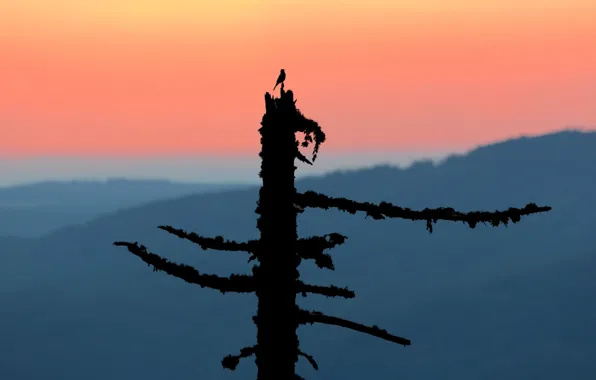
(181, 76)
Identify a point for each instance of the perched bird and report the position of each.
(280, 78)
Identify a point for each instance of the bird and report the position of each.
(281, 78)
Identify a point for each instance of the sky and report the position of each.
(163, 78)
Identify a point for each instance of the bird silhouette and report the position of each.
(280, 78)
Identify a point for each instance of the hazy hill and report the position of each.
(486, 303)
(35, 209)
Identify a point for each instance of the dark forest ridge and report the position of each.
(503, 294)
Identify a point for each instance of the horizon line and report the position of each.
(202, 168)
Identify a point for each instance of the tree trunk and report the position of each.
(277, 273)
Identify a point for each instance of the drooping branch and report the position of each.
(318, 317)
(312, 132)
(235, 283)
(231, 361)
(387, 210)
(312, 248)
(298, 122)
(217, 242)
(327, 291)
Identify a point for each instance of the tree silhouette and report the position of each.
(279, 251)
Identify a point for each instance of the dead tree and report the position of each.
(279, 251)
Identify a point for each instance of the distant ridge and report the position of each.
(31, 210)
(479, 304)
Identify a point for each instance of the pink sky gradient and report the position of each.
(133, 77)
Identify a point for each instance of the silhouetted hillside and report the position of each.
(35, 209)
(510, 303)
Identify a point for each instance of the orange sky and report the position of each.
(180, 76)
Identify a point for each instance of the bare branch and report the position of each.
(312, 248)
(322, 260)
(384, 209)
(328, 291)
(235, 283)
(302, 158)
(231, 361)
(217, 242)
(318, 317)
(310, 359)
